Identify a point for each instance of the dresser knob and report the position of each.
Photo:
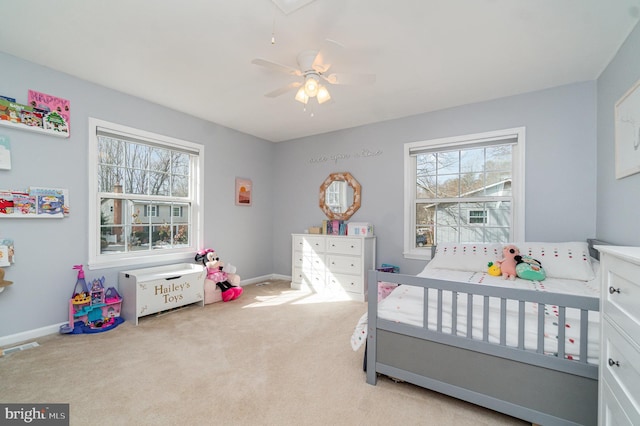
(612, 363)
(614, 290)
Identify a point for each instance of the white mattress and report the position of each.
(405, 304)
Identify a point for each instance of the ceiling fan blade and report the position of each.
(306, 59)
(354, 79)
(277, 67)
(328, 53)
(283, 90)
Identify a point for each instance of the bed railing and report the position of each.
(449, 333)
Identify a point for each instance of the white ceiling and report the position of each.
(195, 56)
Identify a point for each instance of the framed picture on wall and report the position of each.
(243, 192)
(627, 133)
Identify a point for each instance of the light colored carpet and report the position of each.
(275, 356)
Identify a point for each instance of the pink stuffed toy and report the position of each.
(223, 275)
(508, 263)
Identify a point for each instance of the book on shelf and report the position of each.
(58, 111)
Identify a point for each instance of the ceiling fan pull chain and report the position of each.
(273, 32)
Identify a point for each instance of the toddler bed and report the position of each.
(525, 348)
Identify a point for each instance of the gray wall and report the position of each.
(617, 199)
(560, 168)
(46, 249)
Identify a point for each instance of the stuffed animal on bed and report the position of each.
(494, 269)
(529, 268)
(508, 262)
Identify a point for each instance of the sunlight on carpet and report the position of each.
(300, 297)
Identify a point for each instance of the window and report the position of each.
(477, 216)
(151, 210)
(145, 198)
(467, 189)
(177, 211)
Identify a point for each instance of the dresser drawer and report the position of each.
(621, 363)
(309, 244)
(344, 264)
(621, 298)
(613, 412)
(307, 261)
(350, 283)
(344, 245)
(312, 277)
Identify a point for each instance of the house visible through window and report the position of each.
(146, 197)
(464, 189)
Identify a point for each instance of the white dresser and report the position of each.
(619, 377)
(332, 264)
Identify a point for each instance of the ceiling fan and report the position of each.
(313, 67)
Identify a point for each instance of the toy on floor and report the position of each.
(92, 310)
(224, 276)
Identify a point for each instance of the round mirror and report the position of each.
(339, 196)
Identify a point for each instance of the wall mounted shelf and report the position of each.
(21, 126)
(32, 216)
(34, 203)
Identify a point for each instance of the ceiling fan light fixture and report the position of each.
(323, 94)
(301, 96)
(311, 86)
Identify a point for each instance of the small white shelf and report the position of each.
(21, 126)
(31, 216)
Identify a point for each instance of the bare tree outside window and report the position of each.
(463, 195)
(140, 187)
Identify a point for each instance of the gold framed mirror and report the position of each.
(340, 196)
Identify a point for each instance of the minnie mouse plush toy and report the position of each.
(223, 275)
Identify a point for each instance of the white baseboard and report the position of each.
(30, 334)
(55, 328)
(264, 278)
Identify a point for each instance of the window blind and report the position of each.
(475, 143)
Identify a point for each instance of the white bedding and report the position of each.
(405, 304)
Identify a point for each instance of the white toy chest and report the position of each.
(151, 290)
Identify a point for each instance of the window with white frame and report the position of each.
(177, 211)
(151, 210)
(477, 216)
(464, 189)
(138, 182)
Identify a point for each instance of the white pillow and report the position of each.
(474, 257)
(561, 260)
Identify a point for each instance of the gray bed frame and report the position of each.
(530, 385)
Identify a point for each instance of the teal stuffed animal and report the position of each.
(529, 268)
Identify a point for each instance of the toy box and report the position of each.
(161, 288)
(360, 229)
